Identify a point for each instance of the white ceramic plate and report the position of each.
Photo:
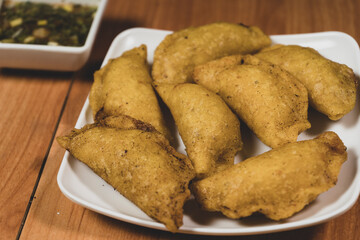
(84, 187)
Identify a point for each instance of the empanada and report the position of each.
(209, 129)
(178, 54)
(277, 183)
(138, 162)
(331, 86)
(123, 86)
(268, 99)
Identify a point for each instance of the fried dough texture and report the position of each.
(209, 129)
(123, 86)
(277, 183)
(138, 162)
(268, 99)
(178, 54)
(331, 86)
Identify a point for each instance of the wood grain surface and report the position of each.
(30, 106)
(36, 106)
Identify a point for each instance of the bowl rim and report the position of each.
(101, 5)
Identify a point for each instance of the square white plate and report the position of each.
(84, 187)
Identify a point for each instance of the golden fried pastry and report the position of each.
(268, 99)
(277, 183)
(331, 86)
(123, 86)
(138, 162)
(178, 54)
(209, 129)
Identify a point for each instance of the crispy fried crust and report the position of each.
(209, 129)
(138, 162)
(123, 86)
(268, 99)
(331, 86)
(277, 183)
(178, 54)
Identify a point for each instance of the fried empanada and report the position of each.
(268, 99)
(138, 162)
(331, 86)
(123, 86)
(277, 183)
(178, 54)
(209, 129)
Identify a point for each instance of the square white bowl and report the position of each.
(57, 58)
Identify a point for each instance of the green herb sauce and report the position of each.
(49, 24)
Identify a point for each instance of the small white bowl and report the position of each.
(58, 58)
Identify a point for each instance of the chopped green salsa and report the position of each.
(48, 24)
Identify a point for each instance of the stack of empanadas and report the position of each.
(211, 77)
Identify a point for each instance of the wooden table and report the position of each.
(36, 106)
